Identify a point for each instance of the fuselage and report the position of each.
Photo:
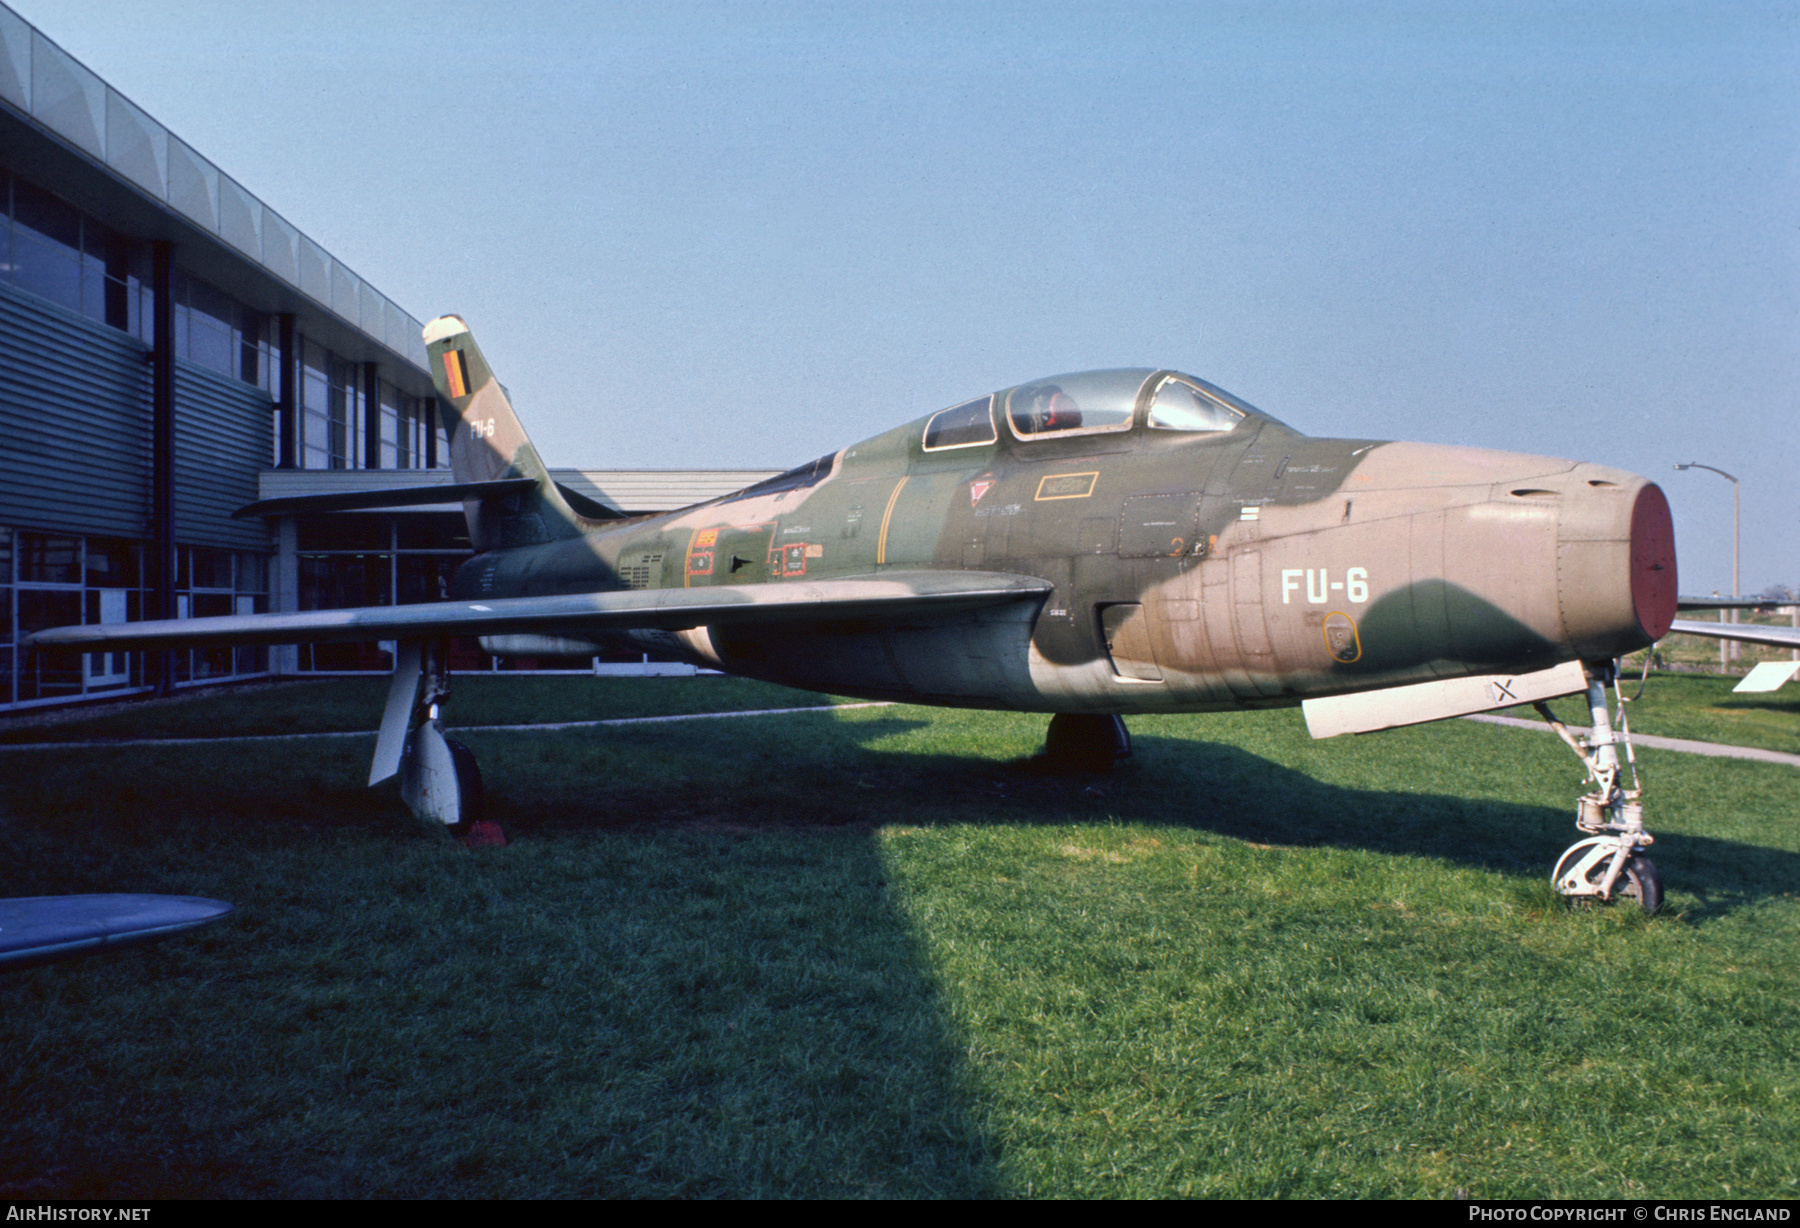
(1202, 555)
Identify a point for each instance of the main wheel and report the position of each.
(468, 786)
(1086, 742)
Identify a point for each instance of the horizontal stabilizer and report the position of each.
(1435, 701)
(883, 598)
(406, 496)
(591, 509)
(1748, 633)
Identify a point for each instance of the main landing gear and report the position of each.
(1607, 864)
(1086, 742)
(439, 779)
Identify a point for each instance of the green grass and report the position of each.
(881, 952)
(1700, 707)
(1703, 707)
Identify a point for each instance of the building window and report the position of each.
(356, 559)
(48, 589)
(6, 616)
(331, 410)
(52, 249)
(403, 429)
(215, 331)
(216, 584)
(56, 580)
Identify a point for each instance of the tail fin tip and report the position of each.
(488, 444)
(443, 328)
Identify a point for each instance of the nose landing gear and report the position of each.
(1607, 864)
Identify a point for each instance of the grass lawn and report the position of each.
(879, 951)
(1703, 707)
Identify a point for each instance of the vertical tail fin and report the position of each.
(488, 444)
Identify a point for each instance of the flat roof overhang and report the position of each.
(52, 162)
(634, 492)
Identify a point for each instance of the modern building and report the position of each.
(171, 350)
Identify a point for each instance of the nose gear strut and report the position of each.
(1607, 863)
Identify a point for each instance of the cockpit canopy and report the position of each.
(1089, 403)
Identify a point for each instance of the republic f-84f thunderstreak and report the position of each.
(1089, 546)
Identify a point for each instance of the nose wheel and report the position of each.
(1583, 870)
(1607, 864)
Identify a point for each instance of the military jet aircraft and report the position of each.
(1089, 546)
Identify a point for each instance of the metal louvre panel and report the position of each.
(76, 399)
(224, 432)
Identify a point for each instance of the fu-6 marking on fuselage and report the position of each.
(1090, 546)
(1354, 585)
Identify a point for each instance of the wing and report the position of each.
(43, 929)
(886, 596)
(1727, 603)
(1749, 633)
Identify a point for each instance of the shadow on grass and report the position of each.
(1786, 707)
(626, 1008)
(685, 977)
(820, 771)
(816, 770)
(1248, 797)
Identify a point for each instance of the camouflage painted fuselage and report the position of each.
(1190, 569)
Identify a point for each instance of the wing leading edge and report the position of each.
(44, 929)
(887, 596)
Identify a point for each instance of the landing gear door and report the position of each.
(1127, 637)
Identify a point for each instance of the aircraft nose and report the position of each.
(1615, 562)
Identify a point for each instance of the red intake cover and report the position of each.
(1653, 584)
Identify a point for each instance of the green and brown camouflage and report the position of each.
(1109, 542)
(1101, 542)
(1090, 545)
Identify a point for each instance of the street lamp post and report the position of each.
(1735, 594)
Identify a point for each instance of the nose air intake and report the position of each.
(1653, 581)
(1616, 577)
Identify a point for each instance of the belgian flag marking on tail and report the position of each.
(456, 373)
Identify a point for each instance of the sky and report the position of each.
(745, 234)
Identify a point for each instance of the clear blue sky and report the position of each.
(749, 233)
